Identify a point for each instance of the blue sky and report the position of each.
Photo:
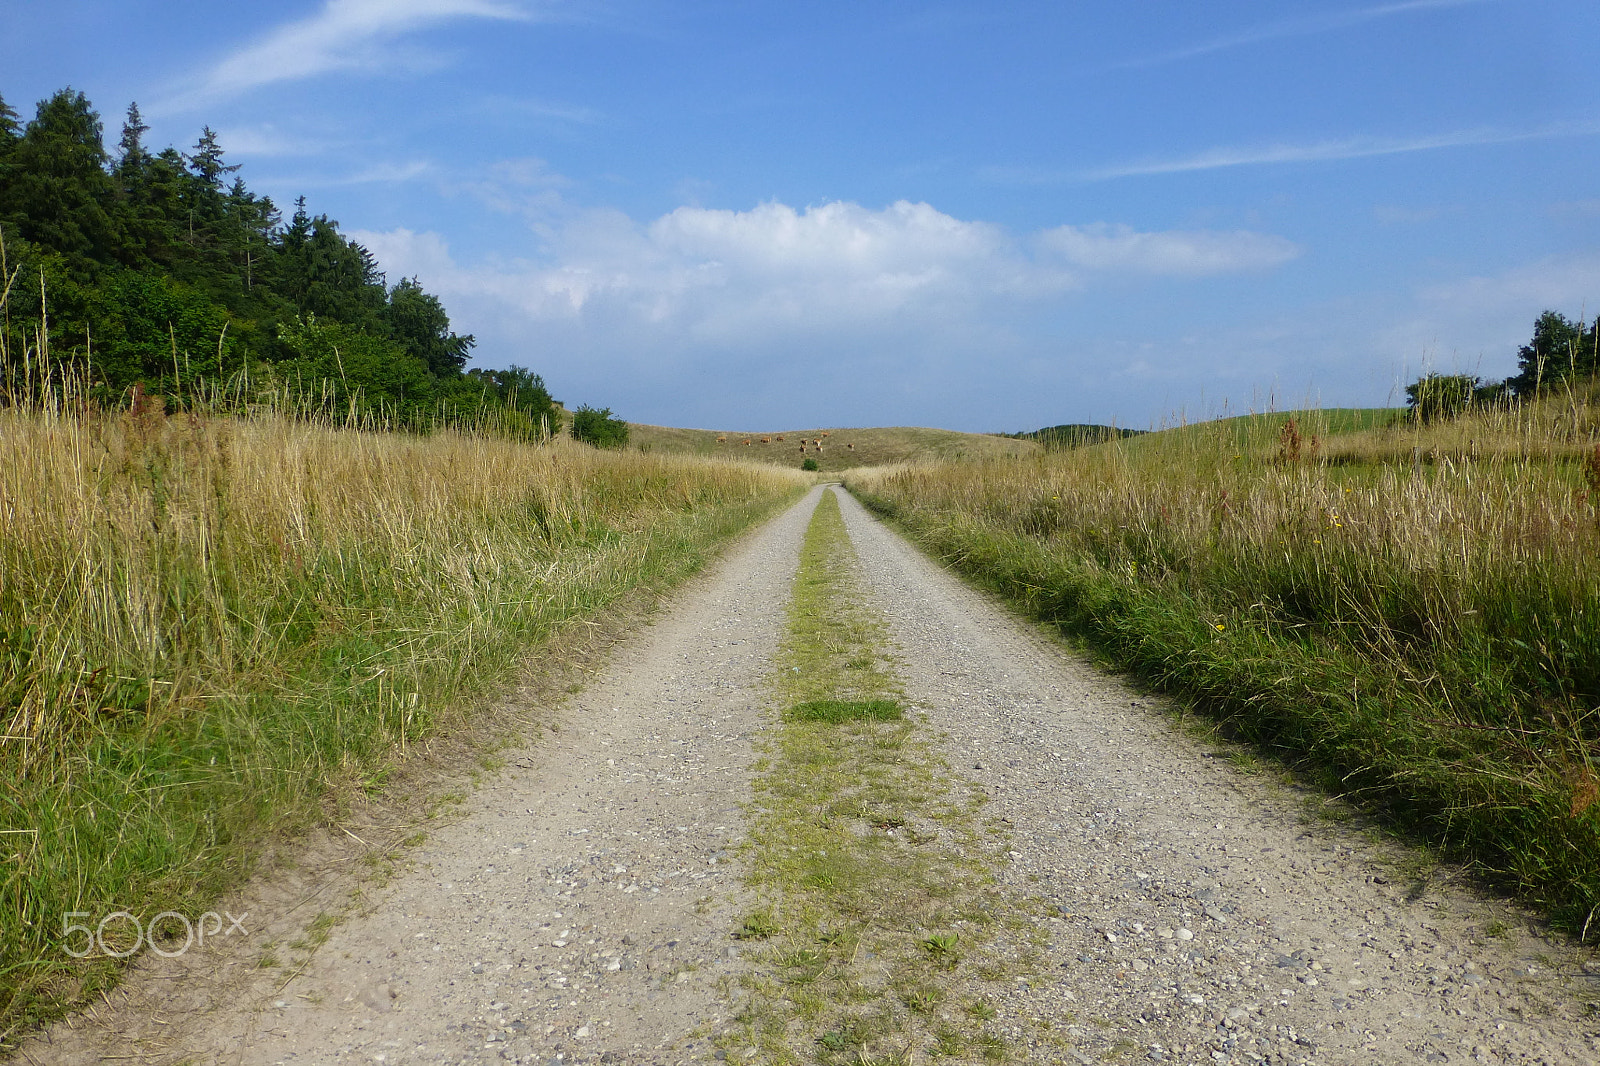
(984, 216)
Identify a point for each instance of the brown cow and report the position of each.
(779, 437)
(746, 443)
(722, 440)
(766, 440)
(852, 447)
(824, 433)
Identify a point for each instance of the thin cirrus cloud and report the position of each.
(343, 35)
(1301, 27)
(1314, 152)
(749, 276)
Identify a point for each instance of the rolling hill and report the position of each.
(842, 449)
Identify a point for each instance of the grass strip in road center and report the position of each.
(877, 906)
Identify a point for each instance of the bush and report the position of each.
(1437, 397)
(810, 464)
(596, 426)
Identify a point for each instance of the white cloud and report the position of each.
(266, 140)
(1301, 27)
(724, 276)
(1324, 151)
(1193, 253)
(343, 35)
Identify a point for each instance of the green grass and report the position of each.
(865, 850)
(837, 711)
(1423, 637)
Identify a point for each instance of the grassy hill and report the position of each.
(1253, 432)
(842, 449)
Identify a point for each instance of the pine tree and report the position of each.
(58, 190)
(418, 322)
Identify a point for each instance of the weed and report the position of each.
(757, 926)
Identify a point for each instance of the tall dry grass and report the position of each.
(204, 619)
(1417, 622)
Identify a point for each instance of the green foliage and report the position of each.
(351, 369)
(1436, 397)
(1560, 351)
(809, 463)
(838, 711)
(165, 270)
(596, 426)
(1076, 435)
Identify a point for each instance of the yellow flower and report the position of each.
(1220, 625)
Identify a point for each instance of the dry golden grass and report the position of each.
(1416, 617)
(204, 620)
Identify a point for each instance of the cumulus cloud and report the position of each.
(724, 272)
(706, 309)
(1193, 253)
(343, 35)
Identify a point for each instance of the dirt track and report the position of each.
(579, 909)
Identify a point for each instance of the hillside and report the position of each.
(842, 449)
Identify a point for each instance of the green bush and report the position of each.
(596, 426)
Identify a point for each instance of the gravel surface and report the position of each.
(1195, 912)
(580, 907)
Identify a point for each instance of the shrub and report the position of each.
(596, 426)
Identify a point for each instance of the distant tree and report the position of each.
(9, 126)
(206, 162)
(133, 157)
(1560, 350)
(1439, 397)
(519, 389)
(809, 463)
(596, 426)
(418, 322)
(58, 191)
(319, 272)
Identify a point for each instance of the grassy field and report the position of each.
(1411, 613)
(206, 622)
(842, 449)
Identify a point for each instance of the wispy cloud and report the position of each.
(1301, 27)
(1316, 152)
(343, 35)
(1191, 253)
(266, 140)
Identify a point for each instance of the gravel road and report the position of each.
(579, 909)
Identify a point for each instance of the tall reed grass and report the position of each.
(204, 620)
(1416, 622)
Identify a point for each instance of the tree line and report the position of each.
(162, 269)
(1562, 354)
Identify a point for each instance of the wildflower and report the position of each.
(1220, 625)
